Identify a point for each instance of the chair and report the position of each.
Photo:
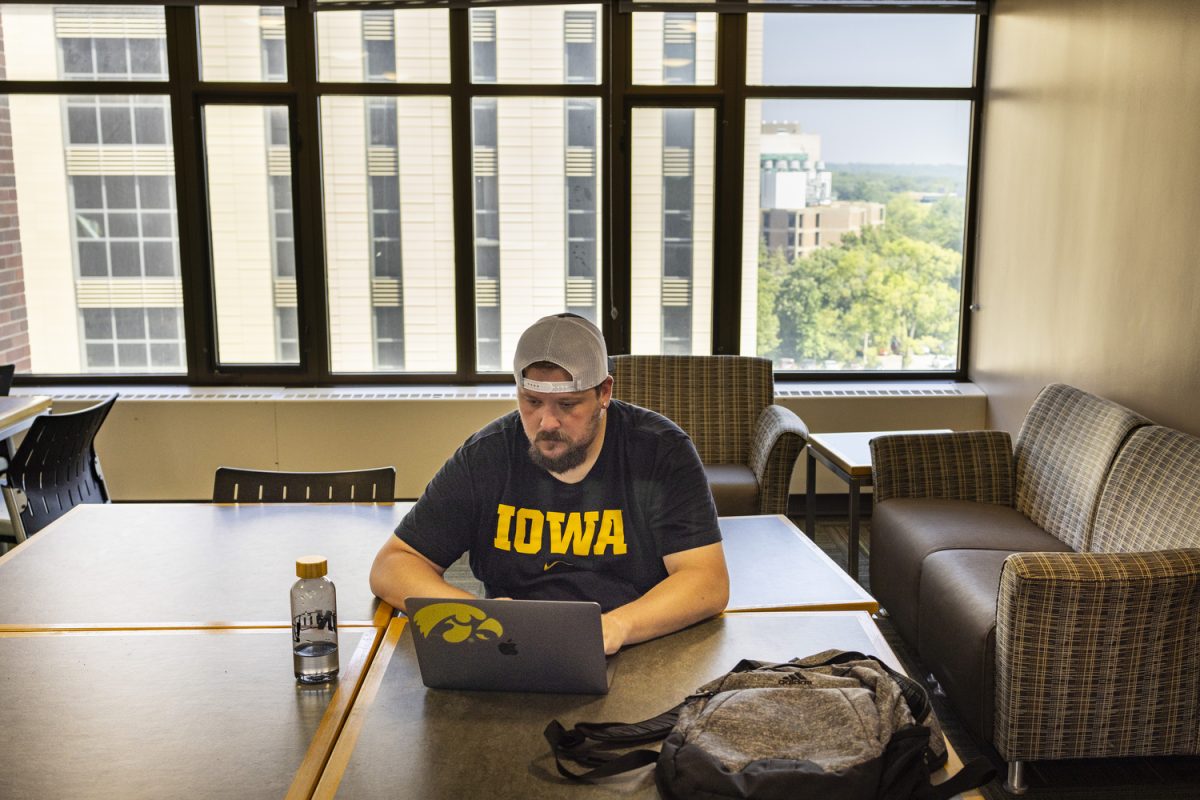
(748, 445)
(54, 470)
(6, 378)
(233, 485)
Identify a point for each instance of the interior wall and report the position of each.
(1088, 268)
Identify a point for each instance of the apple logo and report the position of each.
(508, 648)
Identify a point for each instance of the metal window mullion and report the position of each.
(312, 321)
(461, 154)
(731, 146)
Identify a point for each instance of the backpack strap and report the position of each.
(974, 773)
(586, 744)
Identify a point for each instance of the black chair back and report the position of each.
(233, 485)
(56, 469)
(6, 378)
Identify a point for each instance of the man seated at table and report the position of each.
(573, 496)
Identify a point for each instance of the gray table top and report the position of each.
(405, 739)
(774, 566)
(163, 565)
(153, 714)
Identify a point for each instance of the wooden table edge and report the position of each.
(339, 759)
(350, 683)
(223, 625)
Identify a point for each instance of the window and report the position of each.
(371, 221)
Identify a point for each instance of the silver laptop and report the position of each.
(509, 645)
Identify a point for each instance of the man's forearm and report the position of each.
(396, 576)
(679, 600)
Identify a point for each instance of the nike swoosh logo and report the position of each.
(546, 567)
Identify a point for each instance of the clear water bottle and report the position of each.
(314, 622)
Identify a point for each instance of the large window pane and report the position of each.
(672, 194)
(860, 49)
(83, 42)
(853, 233)
(87, 234)
(536, 44)
(389, 233)
(242, 43)
(394, 46)
(537, 210)
(675, 47)
(248, 167)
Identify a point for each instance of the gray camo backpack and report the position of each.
(831, 726)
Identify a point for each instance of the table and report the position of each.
(774, 566)
(190, 565)
(428, 743)
(152, 714)
(847, 455)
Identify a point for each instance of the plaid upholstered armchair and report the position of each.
(748, 444)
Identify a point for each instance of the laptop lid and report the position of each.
(509, 645)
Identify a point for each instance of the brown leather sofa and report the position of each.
(1052, 589)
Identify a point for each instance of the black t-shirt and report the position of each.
(531, 536)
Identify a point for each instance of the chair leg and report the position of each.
(1015, 784)
(14, 512)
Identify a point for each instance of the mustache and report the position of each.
(549, 436)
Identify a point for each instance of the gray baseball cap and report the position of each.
(569, 341)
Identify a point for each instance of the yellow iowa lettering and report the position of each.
(574, 533)
(612, 532)
(529, 531)
(504, 515)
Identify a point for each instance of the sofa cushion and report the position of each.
(1067, 443)
(1149, 501)
(904, 531)
(958, 630)
(734, 488)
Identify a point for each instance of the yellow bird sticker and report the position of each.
(457, 622)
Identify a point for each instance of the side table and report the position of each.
(847, 455)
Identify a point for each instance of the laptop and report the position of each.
(509, 645)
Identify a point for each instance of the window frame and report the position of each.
(617, 96)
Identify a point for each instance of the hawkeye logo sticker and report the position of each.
(457, 622)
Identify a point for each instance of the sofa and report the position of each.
(1052, 588)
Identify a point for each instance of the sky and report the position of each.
(874, 50)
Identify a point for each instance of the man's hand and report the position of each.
(696, 587)
(616, 632)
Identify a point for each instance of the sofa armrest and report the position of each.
(970, 465)
(779, 436)
(1096, 655)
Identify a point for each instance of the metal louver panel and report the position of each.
(581, 162)
(484, 161)
(676, 292)
(381, 160)
(677, 161)
(386, 293)
(128, 293)
(285, 292)
(487, 292)
(120, 160)
(99, 22)
(581, 292)
(279, 160)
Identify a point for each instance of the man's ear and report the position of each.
(606, 388)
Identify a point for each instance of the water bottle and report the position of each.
(314, 622)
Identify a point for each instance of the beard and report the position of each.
(576, 452)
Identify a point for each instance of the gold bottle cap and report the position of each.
(311, 566)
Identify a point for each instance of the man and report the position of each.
(574, 496)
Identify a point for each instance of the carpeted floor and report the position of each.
(1091, 779)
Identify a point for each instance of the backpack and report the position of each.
(831, 726)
